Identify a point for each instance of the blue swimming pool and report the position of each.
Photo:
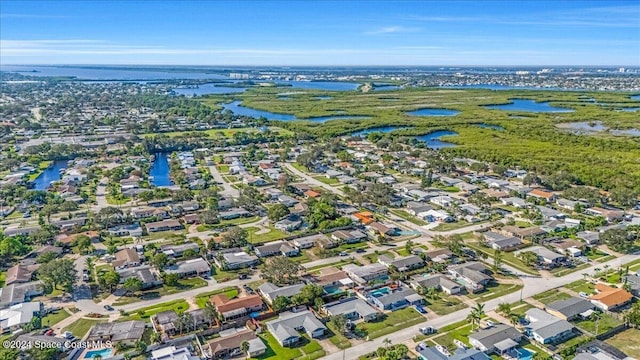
(103, 353)
(524, 354)
(380, 292)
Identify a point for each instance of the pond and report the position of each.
(433, 139)
(380, 129)
(529, 106)
(489, 126)
(160, 170)
(629, 132)
(635, 97)
(433, 112)
(237, 108)
(321, 98)
(384, 87)
(50, 175)
(631, 109)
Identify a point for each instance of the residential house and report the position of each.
(306, 242)
(16, 316)
(176, 251)
(133, 230)
(438, 282)
(191, 267)
(352, 308)
(286, 328)
(126, 258)
(280, 247)
(546, 328)
(233, 213)
(570, 308)
(435, 215)
(500, 242)
(550, 214)
(145, 273)
(237, 308)
(633, 281)
(172, 353)
(569, 247)
(522, 233)
(270, 291)
(516, 202)
(609, 214)
(402, 264)
(288, 224)
(348, 236)
(17, 293)
(394, 300)
(332, 279)
(442, 200)
(440, 256)
(326, 242)
(230, 342)
(235, 260)
(164, 225)
(545, 256)
(472, 275)
(431, 353)
(541, 194)
(19, 274)
(609, 298)
(367, 273)
(500, 339)
(376, 228)
(126, 332)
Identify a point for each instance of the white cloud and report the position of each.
(392, 30)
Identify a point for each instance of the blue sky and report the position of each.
(321, 32)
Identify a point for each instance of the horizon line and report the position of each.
(328, 66)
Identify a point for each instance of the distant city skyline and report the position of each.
(321, 33)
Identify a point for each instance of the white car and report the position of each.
(583, 294)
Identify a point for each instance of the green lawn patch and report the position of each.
(405, 215)
(224, 169)
(460, 333)
(339, 340)
(272, 235)
(596, 254)
(3, 278)
(562, 271)
(373, 258)
(455, 225)
(309, 350)
(495, 290)
(444, 304)
(55, 317)
(394, 321)
(202, 299)
(550, 296)
(507, 257)
(581, 286)
(606, 323)
(81, 327)
(178, 306)
(326, 180)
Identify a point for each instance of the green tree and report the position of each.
(111, 279)
(497, 260)
(281, 270)
(281, 303)
(59, 272)
(476, 315)
(132, 284)
(245, 348)
(529, 258)
(235, 236)
(141, 346)
(171, 279)
(339, 322)
(277, 212)
(160, 260)
(83, 243)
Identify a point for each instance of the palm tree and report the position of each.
(497, 260)
(504, 309)
(210, 313)
(154, 338)
(514, 318)
(476, 315)
(386, 342)
(245, 348)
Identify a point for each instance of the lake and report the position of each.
(529, 106)
(489, 126)
(432, 112)
(50, 175)
(237, 108)
(384, 87)
(631, 109)
(433, 139)
(635, 97)
(380, 129)
(160, 170)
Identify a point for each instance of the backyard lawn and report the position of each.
(81, 326)
(627, 341)
(395, 321)
(606, 323)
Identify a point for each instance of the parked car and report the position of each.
(427, 330)
(360, 251)
(420, 309)
(344, 253)
(583, 294)
(108, 307)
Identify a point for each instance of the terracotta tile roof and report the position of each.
(611, 296)
(541, 193)
(312, 193)
(223, 304)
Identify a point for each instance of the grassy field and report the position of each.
(272, 235)
(393, 322)
(405, 215)
(455, 225)
(507, 257)
(81, 327)
(581, 286)
(55, 317)
(444, 304)
(145, 313)
(550, 296)
(494, 290)
(202, 299)
(627, 341)
(606, 323)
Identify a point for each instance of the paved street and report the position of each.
(228, 190)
